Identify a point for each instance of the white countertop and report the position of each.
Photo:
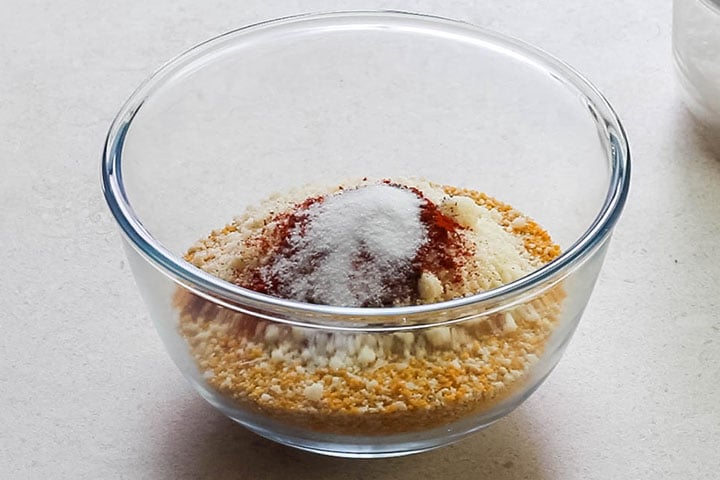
(87, 390)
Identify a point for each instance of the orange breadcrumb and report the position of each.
(389, 383)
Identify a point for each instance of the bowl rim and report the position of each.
(314, 316)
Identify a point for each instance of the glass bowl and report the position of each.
(696, 55)
(324, 97)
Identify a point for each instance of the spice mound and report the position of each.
(354, 248)
(371, 244)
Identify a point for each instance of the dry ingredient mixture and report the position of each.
(371, 244)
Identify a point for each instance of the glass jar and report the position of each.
(696, 49)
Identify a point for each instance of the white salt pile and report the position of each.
(352, 247)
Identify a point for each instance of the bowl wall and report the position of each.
(319, 100)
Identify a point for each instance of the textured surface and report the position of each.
(86, 390)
